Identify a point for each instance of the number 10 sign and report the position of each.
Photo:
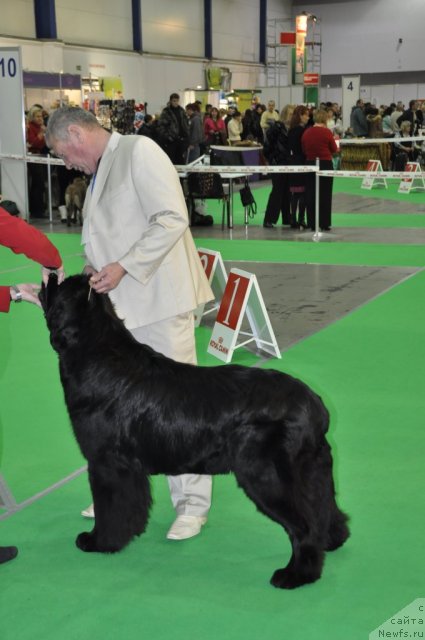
(241, 295)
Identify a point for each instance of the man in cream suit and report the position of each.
(141, 253)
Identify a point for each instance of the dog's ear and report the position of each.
(48, 291)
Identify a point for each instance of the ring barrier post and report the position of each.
(317, 234)
(49, 191)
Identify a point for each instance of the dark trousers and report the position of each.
(279, 199)
(325, 196)
(177, 151)
(37, 176)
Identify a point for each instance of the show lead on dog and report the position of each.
(141, 253)
(22, 238)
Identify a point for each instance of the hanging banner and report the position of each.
(242, 296)
(301, 33)
(369, 182)
(217, 277)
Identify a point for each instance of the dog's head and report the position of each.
(71, 309)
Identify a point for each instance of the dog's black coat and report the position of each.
(136, 413)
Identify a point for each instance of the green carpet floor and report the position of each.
(369, 368)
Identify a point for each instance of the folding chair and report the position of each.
(208, 186)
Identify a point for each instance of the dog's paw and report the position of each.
(86, 542)
(289, 579)
(90, 542)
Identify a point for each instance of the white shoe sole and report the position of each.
(185, 527)
(89, 512)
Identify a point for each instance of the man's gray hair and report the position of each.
(59, 121)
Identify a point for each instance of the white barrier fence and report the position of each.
(195, 167)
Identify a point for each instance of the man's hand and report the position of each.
(107, 278)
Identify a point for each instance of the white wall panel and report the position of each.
(382, 94)
(103, 24)
(17, 18)
(163, 77)
(362, 36)
(173, 28)
(279, 9)
(235, 26)
(102, 63)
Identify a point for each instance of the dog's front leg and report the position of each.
(122, 500)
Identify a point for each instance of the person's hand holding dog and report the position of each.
(29, 293)
(46, 271)
(107, 278)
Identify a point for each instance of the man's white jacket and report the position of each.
(135, 214)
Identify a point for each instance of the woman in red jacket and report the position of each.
(215, 128)
(22, 238)
(37, 173)
(318, 142)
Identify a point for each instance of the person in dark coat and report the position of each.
(276, 152)
(173, 130)
(297, 127)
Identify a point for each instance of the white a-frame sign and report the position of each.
(242, 294)
(415, 183)
(370, 182)
(217, 277)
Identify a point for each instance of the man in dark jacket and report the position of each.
(173, 130)
(410, 115)
(358, 121)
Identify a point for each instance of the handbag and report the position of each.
(248, 200)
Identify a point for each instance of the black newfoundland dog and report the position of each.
(137, 413)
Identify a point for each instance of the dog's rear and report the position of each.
(140, 413)
(74, 200)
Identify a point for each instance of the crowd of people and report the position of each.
(185, 133)
(297, 137)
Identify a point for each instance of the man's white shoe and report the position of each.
(185, 527)
(89, 512)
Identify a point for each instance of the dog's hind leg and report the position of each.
(333, 519)
(283, 500)
(122, 498)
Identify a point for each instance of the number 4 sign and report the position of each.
(242, 294)
(217, 277)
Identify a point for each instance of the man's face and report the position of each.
(74, 152)
(271, 106)
(174, 102)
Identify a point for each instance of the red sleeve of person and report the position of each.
(21, 237)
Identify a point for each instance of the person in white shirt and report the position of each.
(234, 128)
(269, 117)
